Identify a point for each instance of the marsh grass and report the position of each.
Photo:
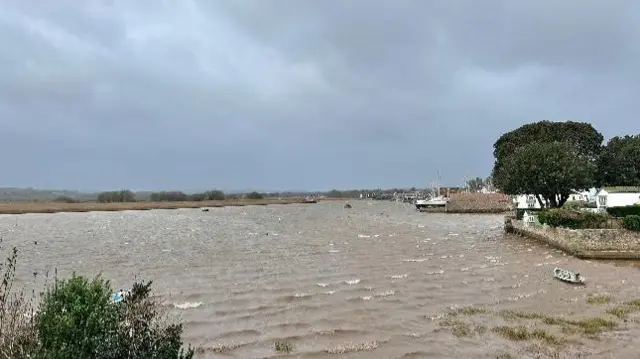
(598, 299)
(622, 311)
(53, 207)
(17, 329)
(590, 327)
(283, 346)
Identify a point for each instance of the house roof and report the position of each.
(622, 189)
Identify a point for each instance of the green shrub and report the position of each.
(576, 205)
(621, 212)
(632, 223)
(560, 217)
(78, 320)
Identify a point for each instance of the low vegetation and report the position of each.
(535, 326)
(576, 219)
(76, 319)
(283, 346)
(632, 223)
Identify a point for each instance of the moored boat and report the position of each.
(568, 276)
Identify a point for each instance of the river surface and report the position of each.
(374, 281)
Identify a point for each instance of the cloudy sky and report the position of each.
(299, 94)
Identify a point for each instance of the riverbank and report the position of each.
(51, 207)
(581, 243)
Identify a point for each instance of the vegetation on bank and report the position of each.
(576, 219)
(76, 319)
(48, 207)
(550, 159)
(553, 331)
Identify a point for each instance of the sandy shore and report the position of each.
(49, 207)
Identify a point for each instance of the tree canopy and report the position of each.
(619, 162)
(547, 159)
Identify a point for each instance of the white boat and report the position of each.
(434, 202)
(569, 276)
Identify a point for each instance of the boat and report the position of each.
(568, 276)
(347, 205)
(435, 201)
(310, 200)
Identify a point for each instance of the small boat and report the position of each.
(347, 205)
(568, 276)
(205, 210)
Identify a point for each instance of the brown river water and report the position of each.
(375, 281)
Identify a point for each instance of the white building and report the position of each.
(525, 201)
(586, 196)
(617, 197)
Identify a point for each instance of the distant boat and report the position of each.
(310, 200)
(435, 202)
(347, 205)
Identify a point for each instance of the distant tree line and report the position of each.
(171, 196)
(124, 195)
(478, 183)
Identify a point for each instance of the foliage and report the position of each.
(632, 223)
(585, 139)
(623, 211)
(560, 217)
(124, 195)
(477, 184)
(255, 195)
(76, 319)
(576, 205)
(65, 199)
(168, 196)
(525, 159)
(17, 333)
(618, 162)
(548, 170)
(207, 196)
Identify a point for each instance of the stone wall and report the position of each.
(582, 243)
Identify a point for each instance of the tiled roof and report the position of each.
(622, 189)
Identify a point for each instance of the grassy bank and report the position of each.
(51, 207)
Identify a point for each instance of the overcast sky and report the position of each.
(299, 94)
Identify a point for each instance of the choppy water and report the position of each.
(370, 282)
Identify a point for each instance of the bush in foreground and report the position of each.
(76, 319)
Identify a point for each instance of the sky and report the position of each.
(299, 94)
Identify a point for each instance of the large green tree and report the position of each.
(549, 170)
(547, 159)
(619, 162)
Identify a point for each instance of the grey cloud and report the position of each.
(299, 93)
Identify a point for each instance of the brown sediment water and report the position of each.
(376, 281)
